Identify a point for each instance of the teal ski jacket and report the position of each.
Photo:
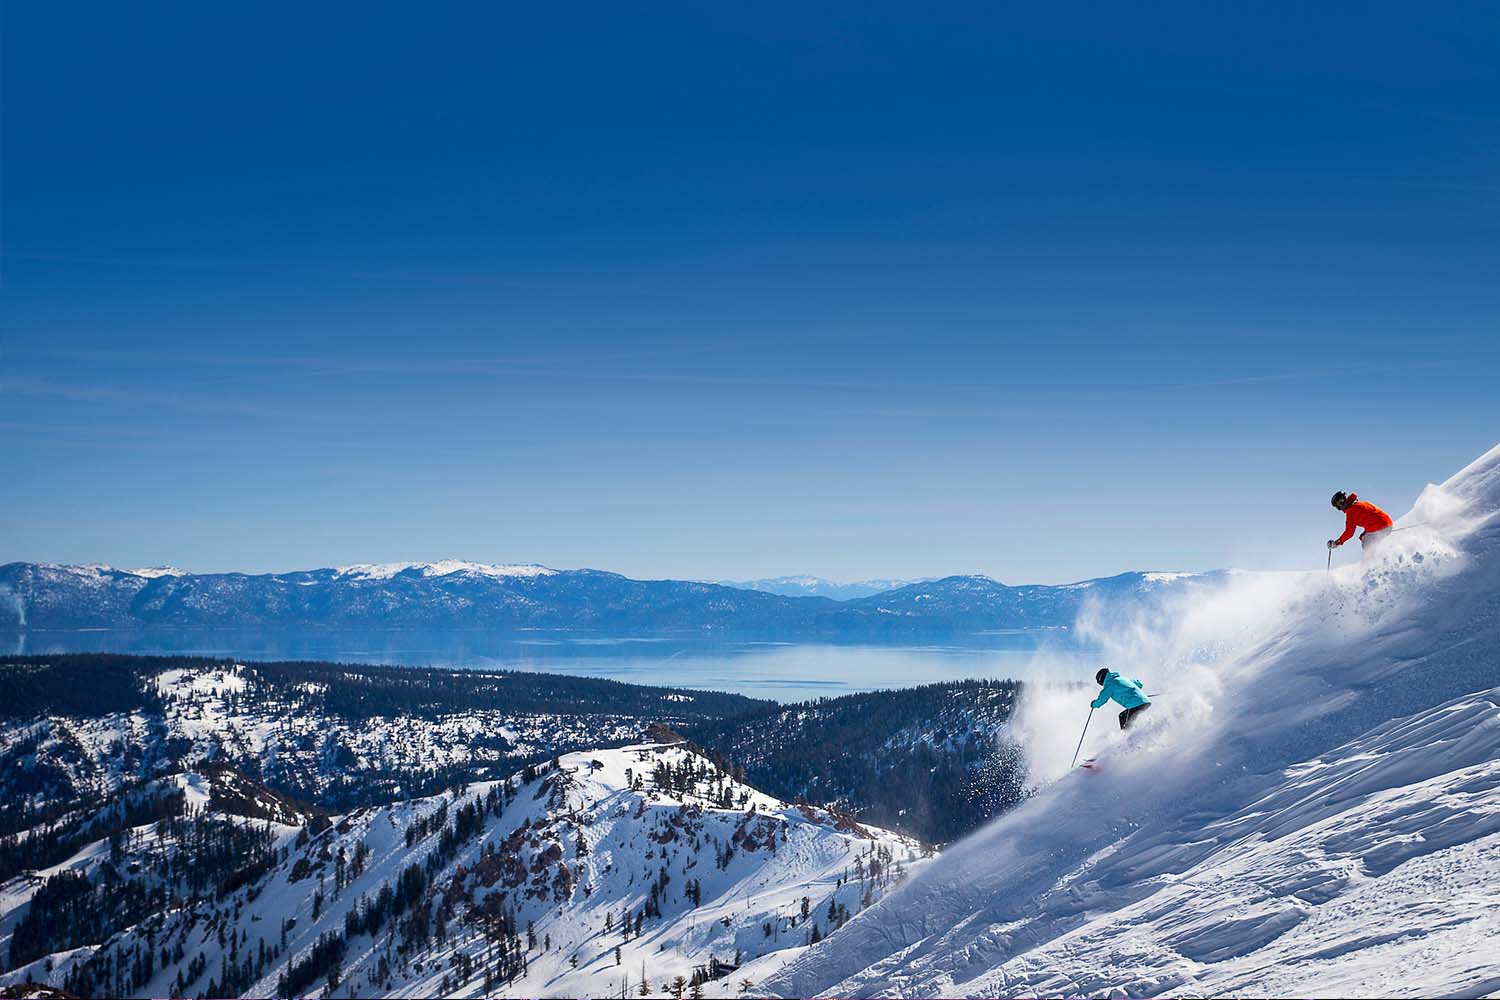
(1129, 693)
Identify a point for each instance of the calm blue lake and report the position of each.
(759, 667)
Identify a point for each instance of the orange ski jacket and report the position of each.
(1362, 514)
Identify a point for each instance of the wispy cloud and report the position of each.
(272, 368)
(84, 393)
(1307, 373)
(633, 290)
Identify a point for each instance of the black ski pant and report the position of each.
(1128, 716)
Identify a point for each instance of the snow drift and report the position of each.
(1314, 809)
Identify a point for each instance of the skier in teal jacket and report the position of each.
(1129, 693)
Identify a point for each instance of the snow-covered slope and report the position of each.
(1313, 811)
(643, 861)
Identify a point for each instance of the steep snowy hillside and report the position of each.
(647, 862)
(1314, 809)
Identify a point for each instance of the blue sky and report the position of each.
(1040, 291)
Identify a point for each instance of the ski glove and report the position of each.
(1332, 544)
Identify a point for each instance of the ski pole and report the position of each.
(1082, 735)
(1329, 567)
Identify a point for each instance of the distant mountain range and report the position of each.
(803, 585)
(455, 594)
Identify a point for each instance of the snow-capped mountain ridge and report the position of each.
(579, 879)
(460, 594)
(151, 572)
(807, 585)
(370, 571)
(1328, 755)
(443, 567)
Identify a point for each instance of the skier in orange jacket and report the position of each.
(1360, 514)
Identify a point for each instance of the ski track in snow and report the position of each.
(1313, 811)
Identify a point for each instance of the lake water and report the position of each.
(756, 666)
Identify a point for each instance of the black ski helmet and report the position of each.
(1340, 500)
(1103, 673)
